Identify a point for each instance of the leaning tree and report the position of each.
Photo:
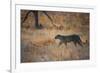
(36, 16)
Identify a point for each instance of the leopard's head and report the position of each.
(57, 36)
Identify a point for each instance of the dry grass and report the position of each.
(39, 45)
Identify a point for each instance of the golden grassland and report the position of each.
(40, 45)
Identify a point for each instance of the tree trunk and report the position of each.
(36, 16)
(36, 19)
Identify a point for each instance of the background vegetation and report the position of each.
(39, 45)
